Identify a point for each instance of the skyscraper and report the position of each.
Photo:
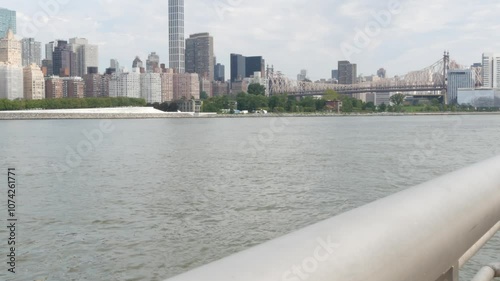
(220, 73)
(49, 50)
(7, 21)
(87, 55)
(200, 55)
(347, 72)
(254, 64)
(31, 52)
(176, 35)
(11, 72)
(153, 62)
(238, 67)
(64, 60)
(491, 70)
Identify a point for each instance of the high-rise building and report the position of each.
(125, 84)
(49, 50)
(167, 85)
(11, 71)
(335, 74)
(381, 73)
(477, 70)
(11, 81)
(87, 55)
(458, 79)
(152, 63)
(137, 63)
(238, 67)
(491, 70)
(347, 72)
(302, 75)
(176, 35)
(47, 68)
(93, 85)
(73, 87)
(64, 60)
(31, 52)
(10, 50)
(254, 64)
(200, 55)
(54, 87)
(186, 86)
(7, 21)
(34, 83)
(151, 87)
(220, 73)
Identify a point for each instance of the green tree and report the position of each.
(398, 99)
(331, 95)
(256, 89)
(382, 107)
(203, 95)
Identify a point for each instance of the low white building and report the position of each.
(479, 98)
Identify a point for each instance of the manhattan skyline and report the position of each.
(291, 35)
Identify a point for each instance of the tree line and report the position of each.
(70, 103)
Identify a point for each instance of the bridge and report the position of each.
(430, 81)
(424, 233)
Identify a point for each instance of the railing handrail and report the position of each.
(418, 234)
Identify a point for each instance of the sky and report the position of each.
(398, 35)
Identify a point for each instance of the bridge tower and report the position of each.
(446, 68)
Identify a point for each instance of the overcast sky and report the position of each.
(290, 34)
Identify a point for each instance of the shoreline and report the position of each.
(13, 115)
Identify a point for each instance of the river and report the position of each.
(149, 199)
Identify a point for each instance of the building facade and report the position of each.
(491, 70)
(200, 55)
(73, 87)
(34, 83)
(64, 60)
(31, 52)
(220, 73)
(479, 97)
(7, 21)
(153, 62)
(167, 85)
(176, 35)
(238, 67)
(93, 85)
(254, 64)
(54, 87)
(186, 86)
(151, 87)
(458, 79)
(11, 81)
(347, 72)
(10, 49)
(126, 84)
(87, 55)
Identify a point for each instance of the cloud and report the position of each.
(291, 35)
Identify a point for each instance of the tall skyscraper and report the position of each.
(238, 67)
(176, 35)
(381, 73)
(200, 55)
(31, 52)
(458, 79)
(49, 50)
(335, 74)
(10, 50)
(491, 70)
(137, 63)
(347, 72)
(220, 72)
(7, 21)
(87, 55)
(64, 60)
(153, 62)
(254, 64)
(11, 71)
(302, 75)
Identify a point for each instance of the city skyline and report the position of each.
(415, 37)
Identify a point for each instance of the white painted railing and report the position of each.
(425, 233)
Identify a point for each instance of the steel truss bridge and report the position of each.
(430, 81)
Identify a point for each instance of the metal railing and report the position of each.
(425, 233)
